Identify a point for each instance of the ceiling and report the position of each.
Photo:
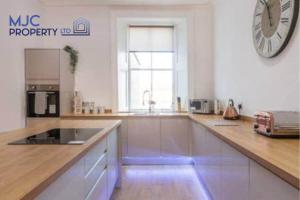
(123, 2)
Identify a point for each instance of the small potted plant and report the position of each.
(73, 57)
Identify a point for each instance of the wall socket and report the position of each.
(240, 106)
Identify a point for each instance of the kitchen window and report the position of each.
(150, 67)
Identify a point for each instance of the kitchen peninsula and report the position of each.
(207, 139)
(37, 171)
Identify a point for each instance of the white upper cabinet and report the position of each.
(42, 66)
(175, 137)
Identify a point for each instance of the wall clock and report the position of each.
(273, 25)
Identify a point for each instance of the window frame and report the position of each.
(172, 108)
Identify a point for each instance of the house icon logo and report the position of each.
(81, 27)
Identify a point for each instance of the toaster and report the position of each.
(277, 123)
(201, 106)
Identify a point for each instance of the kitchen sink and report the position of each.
(150, 114)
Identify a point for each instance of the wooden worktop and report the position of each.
(122, 115)
(25, 170)
(281, 156)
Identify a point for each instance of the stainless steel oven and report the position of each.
(43, 101)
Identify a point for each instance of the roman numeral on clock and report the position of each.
(262, 44)
(257, 26)
(284, 20)
(269, 46)
(285, 6)
(278, 34)
(258, 36)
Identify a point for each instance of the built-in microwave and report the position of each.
(43, 101)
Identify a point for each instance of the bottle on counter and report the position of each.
(92, 107)
(178, 105)
(77, 103)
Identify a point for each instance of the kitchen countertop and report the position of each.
(281, 156)
(25, 170)
(120, 115)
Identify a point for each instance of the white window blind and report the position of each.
(151, 38)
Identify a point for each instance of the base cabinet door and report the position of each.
(212, 164)
(266, 186)
(93, 177)
(100, 189)
(198, 149)
(234, 174)
(70, 185)
(223, 170)
(112, 161)
(144, 137)
(124, 137)
(175, 137)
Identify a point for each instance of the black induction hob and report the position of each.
(60, 136)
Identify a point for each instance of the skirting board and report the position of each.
(157, 161)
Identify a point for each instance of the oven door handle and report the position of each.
(36, 92)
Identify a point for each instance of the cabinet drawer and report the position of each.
(94, 154)
(99, 191)
(94, 173)
(69, 185)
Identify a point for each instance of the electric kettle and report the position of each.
(230, 112)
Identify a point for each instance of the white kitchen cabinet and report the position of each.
(264, 185)
(198, 148)
(124, 137)
(230, 175)
(207, 151)
(100, 189)
(175, 135)
(234, 174)
(144, 137)
(211, 164)
(42, 66)
(94, 155)
(70, 185)
(112, 161)
(224, 171)
(67, 84)
(93, 177)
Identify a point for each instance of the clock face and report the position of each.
(273, 25)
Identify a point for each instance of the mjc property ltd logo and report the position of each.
(30, 25)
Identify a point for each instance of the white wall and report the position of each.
(12, 78)
(241, 74)
(96, 78)
(198, 22)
